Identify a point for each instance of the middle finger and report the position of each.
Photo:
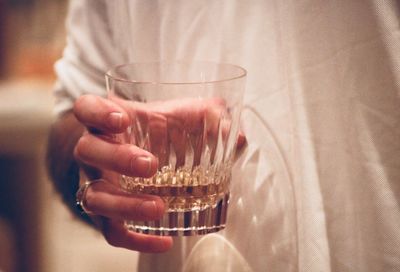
(122, 158)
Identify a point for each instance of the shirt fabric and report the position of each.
(318, 187)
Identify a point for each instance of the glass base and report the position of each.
(185, 223)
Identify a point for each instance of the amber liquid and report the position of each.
(183, 189)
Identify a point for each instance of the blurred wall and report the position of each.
(37, 232)
(31, 39)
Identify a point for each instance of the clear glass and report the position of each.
(187, 115)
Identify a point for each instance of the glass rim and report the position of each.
(109, 74)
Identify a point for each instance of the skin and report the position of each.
(83, 140)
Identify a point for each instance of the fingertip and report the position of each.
(117, 235)
(241, 141)
(152, 209)
(166, 244)
(80, 105)
(144, 165)
(157, 244)
(100, 113)
(153, 166)
(160, 208)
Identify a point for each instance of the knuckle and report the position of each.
(90, 200)
(108, 233)
(76, 154)
(117, 156)
(111, 239)
(80, 103)
(219, 102)
(86, 99)
(81, 147)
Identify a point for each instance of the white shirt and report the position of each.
(318, 187)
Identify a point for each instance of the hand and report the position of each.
(183, 122)
(178, 131)
(97, 149)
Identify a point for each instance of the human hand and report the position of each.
(183, 122)
(109, 206)
(178, 130)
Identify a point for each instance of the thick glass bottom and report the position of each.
(186, 223)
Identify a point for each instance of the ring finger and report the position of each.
(105, 199)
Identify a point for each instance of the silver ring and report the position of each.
(81, 196)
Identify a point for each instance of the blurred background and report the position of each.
(37, 233)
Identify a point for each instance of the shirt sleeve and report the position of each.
(88, 54)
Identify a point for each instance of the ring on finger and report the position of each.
(81, 196)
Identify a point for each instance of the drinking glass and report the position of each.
(186, 114)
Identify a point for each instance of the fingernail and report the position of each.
(143, 164)
(115, 119)
(148, 208)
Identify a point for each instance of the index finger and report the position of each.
(101, 114)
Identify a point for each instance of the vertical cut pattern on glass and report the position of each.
(193, 182)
